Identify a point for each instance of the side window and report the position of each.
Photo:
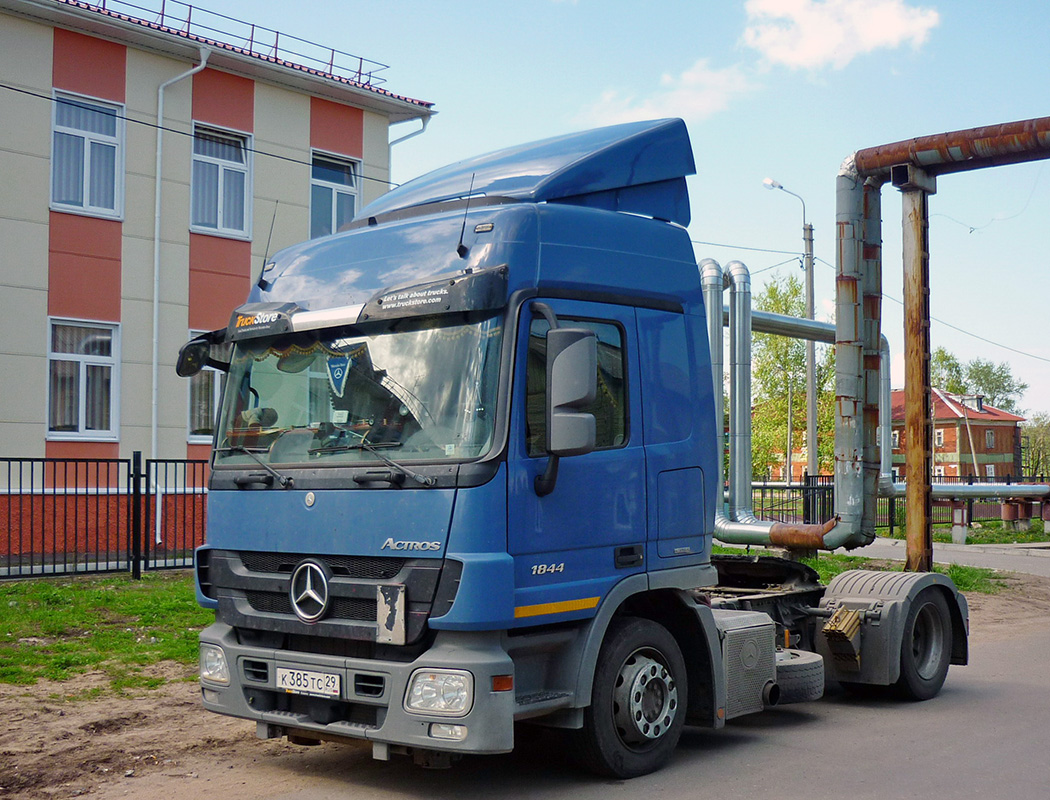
(333, 194)
(610, 405)
(86, 157)
(220, 193)
(989, 439)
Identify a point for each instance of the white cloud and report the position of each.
(695, 94)
(815, 33)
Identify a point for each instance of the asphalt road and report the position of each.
(985, 736)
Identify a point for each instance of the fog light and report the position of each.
(442, 730)
(445, 693)
(213, 664)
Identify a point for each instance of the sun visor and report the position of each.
(479, 290)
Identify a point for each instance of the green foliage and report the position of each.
(57, 628)
(777, 364)
(995, 381)
(1035, 446)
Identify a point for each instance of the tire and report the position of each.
(638, 702)
(800, 676)
(926, 646)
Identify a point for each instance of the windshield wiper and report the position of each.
(422, 480)
(284, 480)
(374, 449)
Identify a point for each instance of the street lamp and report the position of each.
(812, 466)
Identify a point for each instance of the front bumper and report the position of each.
(371, 702)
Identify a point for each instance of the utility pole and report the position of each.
(812, 465)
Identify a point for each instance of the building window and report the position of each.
(87, 157)
(220, 195)
(989, 470)
(333, 194)
(938, 437)
(896, 435)
(82, 380)
(205, 391)
(989, 439)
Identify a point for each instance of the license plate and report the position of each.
(301, 681)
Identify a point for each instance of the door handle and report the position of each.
(629, 555)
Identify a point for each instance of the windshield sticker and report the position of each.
(338, 369)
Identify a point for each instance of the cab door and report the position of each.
(573, 544)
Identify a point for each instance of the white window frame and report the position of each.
(896, 439)
(989, 439)
(224, 166)
(938, 471)
(989, 470)
(938, 437)
(112, 361)
(200, 438)
(334, 188)
(90, 137)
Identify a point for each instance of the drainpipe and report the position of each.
(204, 53)
(413, 134)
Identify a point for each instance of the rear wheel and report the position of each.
(926, 646)
(638, 702)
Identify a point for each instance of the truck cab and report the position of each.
(467, 467)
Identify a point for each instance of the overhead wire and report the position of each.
(190, 134)
(947, 324)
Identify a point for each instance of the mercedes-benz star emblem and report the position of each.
(309, 591)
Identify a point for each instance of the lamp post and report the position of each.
(812, 466)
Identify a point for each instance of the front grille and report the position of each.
(368, 568)
(258, 671)
(339, 607)
(252, 589)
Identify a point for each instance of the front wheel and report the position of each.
(926, 646)
(638, 703)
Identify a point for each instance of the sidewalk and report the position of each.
(1033, 559)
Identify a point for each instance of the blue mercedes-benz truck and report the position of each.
(467, 472)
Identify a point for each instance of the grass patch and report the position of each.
(828, 565)
(989, 532)
(58, 628)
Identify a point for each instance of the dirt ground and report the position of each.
(163, 744)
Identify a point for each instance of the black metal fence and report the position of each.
(813, 500)
(61, 516)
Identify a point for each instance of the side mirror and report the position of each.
(205, 350)
(193, 357)
(572, 384)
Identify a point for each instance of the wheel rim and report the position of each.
(645, 702)
(927, 644)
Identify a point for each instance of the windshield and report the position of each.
(410, 390)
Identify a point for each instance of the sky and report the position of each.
(785, 89)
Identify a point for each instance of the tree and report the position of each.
(946, 372)
(778, 363)
(1036, 448)
(995, 381)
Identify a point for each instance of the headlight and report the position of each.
(213, 664)
(448, 693)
